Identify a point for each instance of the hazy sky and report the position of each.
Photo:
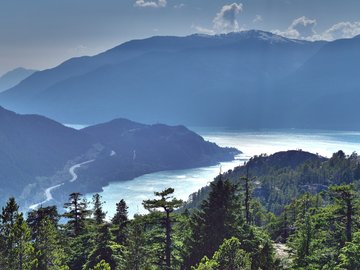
(42, 33)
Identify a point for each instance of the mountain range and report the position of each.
(14, 77)
(248, 79)
(37, 153)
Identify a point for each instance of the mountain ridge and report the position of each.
(37, 153)
(14, 77)
(235, 72)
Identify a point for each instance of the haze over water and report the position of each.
(186, 182)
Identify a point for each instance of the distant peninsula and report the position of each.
(40, 157)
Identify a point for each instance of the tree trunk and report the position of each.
(349, 213)
(168, 241)
(247, 197)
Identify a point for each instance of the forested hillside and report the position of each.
(234, 227)
(277, 179)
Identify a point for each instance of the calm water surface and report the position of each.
(250, 143)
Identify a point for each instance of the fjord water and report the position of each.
(250, 143)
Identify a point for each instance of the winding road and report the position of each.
(73, 168)
(47, 192)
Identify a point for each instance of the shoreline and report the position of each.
(48, 195)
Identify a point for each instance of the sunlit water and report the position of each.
(185, 182)
(188, 181)
(254, 143)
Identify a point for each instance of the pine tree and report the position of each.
(8, 217)
(120, 220)
(136, 255)
(102, 250)
(23, 248)
(166, 203)
(344, 197)
(98, 212)
(303, 238)
(247, 199)
(77, 213)
(50, 254)
(217, 220)
(78, 249)
(36, 217)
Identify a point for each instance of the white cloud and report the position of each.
(153, 4)
(226, 20)
(300, 28)
(258, 18)
(304, 28)
(342, 30)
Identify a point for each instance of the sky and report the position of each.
(40, 34)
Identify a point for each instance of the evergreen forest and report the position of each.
(290, 210)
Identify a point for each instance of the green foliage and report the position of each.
(103, 265)
(78, 249)
(98, 212)
(120, 220)
(15, 248)
(289, 202)
(350, 254)
(256, 243)
(302, 241)
(344, 211)
(23, 248)
(102, 250)
(206, 264)
(168, 204)
(36, 217)
(217, 219)
(229, 256)
(324, 233)
(50, 254)
(282, 177)
(77, 213)
(136, 257)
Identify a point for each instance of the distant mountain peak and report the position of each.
(208, 80)
(250, 34)
(198, 39)
(265, 36)
(17, 70)
(13, 77)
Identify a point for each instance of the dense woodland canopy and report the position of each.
(291, 210)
